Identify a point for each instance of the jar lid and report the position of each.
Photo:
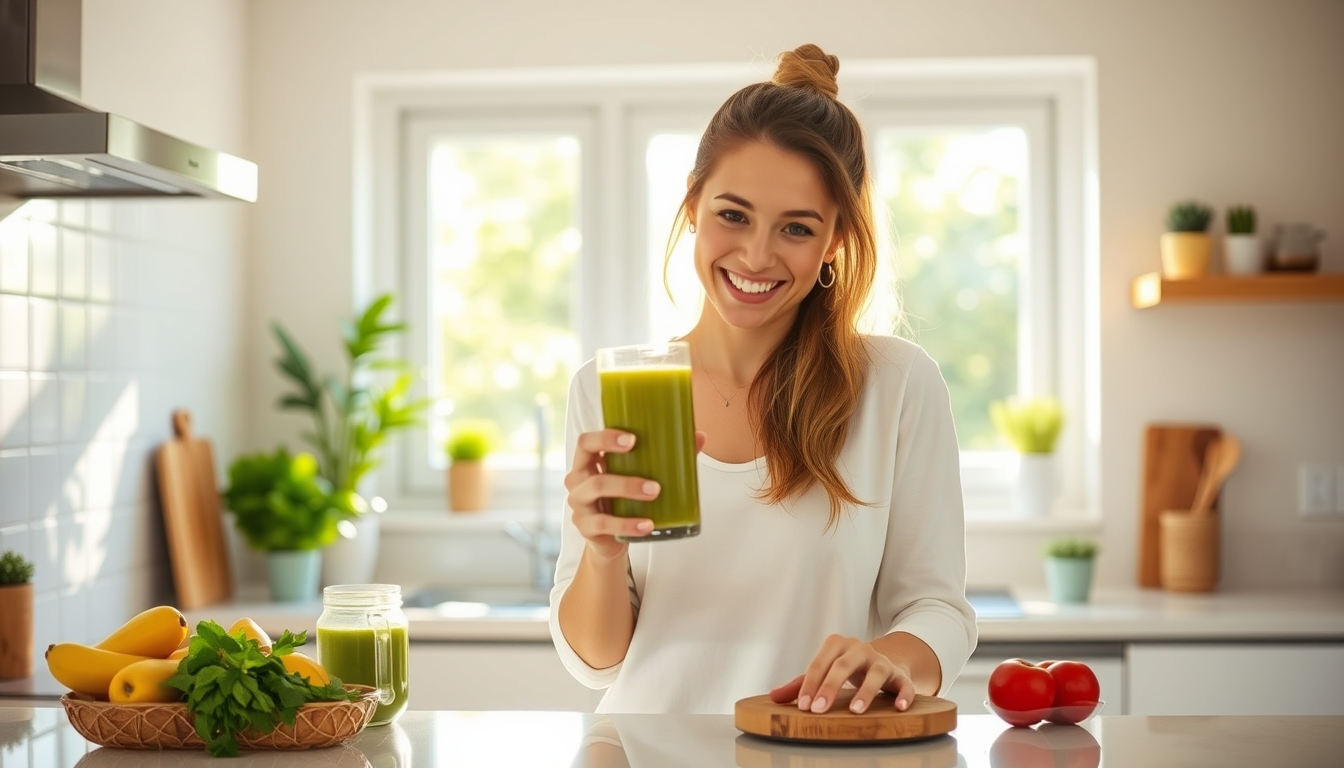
(361, 595)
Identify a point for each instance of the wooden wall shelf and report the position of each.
(1151, 289)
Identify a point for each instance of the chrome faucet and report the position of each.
(541, 542)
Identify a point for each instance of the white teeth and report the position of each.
(749, 286)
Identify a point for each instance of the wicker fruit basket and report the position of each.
(169, 726)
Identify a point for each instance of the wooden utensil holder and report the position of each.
(1189, 551)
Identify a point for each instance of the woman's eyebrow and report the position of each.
(802, 213)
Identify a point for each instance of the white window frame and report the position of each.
(1060, 91)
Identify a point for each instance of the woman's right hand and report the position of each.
(590, 485)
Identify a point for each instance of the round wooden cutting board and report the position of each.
(928, 716)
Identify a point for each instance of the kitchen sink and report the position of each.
(493, 601)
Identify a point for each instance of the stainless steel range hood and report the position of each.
(51, 145)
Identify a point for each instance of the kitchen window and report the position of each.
(529, 215)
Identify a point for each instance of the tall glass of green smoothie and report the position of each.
(646, 391)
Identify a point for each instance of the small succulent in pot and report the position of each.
(1185, 245)
(14, 569)
(1241, 220)
(1189, 216)
(1071, 548)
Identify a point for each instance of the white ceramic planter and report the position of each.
(1035, 485)
(353, 560)
(1243, 254)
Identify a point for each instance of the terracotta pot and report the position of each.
(1185, 255)
(468, 486)
(16, 631)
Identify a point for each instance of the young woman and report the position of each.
(833, 541)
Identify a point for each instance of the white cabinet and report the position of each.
(494, 676)
(1236, 679)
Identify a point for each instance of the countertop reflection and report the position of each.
(41, 737)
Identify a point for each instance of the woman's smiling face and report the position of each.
(765, 223)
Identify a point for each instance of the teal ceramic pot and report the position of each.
(1069, 578)
(294, 574)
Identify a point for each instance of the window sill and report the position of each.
(430, 521)
(493, 520)
(1041, 525)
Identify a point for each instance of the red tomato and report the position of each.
(1076, 691)
(1021, 692)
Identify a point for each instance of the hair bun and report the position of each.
(807, 66)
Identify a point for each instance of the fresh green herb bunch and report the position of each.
(352, 417)
(1071, 548)
(1031, 425)
(14, 569)
(471, 440)
(231, 686)
(1189, 216)
(280, 502)
(1241, 220)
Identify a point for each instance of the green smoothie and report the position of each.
(349, 655)
(654, 404)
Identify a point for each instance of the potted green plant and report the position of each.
(1185, 244)
(1032, 426)
(353, 415)
(16, 605)
(283, 507)
(1068, 568)
(469, 442)
(1241, 246)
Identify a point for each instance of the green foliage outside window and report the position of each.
(958, 269)
(503, 249)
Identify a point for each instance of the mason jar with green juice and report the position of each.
(362, 638)
(646, 391)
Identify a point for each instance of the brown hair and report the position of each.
(809, 386)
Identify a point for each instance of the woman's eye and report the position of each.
(797, 230)
(734, 216)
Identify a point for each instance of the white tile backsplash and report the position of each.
(13, 409)
(44, 473)
(14, 255)
(44, 409)
(74, 336)
(13, 489)
(44, 548)
(44, 349)
(74, 264)
(13, 332)
(43, 274)
(101, 276)
(91, 363)
(74, 399)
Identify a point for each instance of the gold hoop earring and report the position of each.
(826, 270)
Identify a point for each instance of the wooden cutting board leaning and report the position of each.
(928, 716)
(1173, 461)
(191, 518)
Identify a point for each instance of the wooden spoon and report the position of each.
(1220, 458)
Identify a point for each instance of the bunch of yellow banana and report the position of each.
(92, 669)
(131, 664)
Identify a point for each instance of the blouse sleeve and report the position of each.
(582, 414)
(921, 584)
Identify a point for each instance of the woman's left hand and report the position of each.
(847, 658)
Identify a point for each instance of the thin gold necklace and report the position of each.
(726, 400)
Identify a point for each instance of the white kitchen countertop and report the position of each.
(1117, 616)
(1112, 616)
(41, 736)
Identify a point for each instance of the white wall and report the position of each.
(114, 313)
(1224, 101)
